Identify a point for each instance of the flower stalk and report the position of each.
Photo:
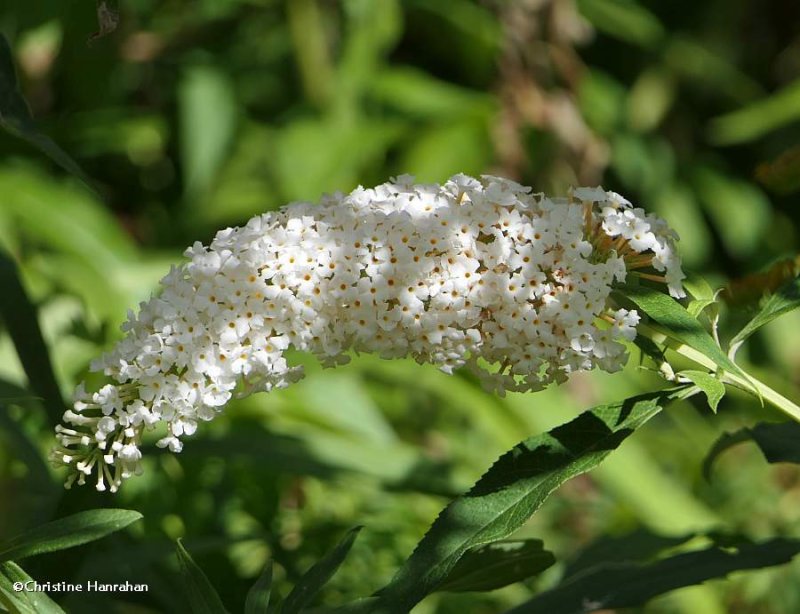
(751, 385)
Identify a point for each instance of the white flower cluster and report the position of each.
(477, 273)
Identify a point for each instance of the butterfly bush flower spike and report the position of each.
(475, 273)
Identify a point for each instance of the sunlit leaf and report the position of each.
(677, 203)
(417, 93)
(312, 49)
(786, 299)
(601, 99)
(442, 151)
(512, 490)
(313, 156)
(667, 312)
(650, 99)
(642, 162)
(709, 384)
(703, 295)
(315, 578)
(62, 218)
(624, 20)
(373, 29)
(208, 114)
(758, 118)
(496, 565)
(68, 532)
(202, 595)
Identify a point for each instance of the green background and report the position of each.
(193, 116)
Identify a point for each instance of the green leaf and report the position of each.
(19, 316)
(315, 578)
(601, 100)
(15, 117)
(512, 490)
(710, 385)
(258, 596)
(778, 441)
(325, 455)
(624, 20)
(703, 295)
(373, 29)
(496, 565)
(678, 323)
(39, 497)
(639, 545)
(628, 584)
(68, 532)
(650, 98)
(697, 61)
(783, 301)
(335, 152)
(758, 118)
(67, 220)
(448, 148)
(203, 598)
(419, 94)
(23, 602)
(208, 113)
(739, 210)
(677, 202)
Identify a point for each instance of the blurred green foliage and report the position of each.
(190, 116)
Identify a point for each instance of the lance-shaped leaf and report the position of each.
(68, 532)
(499, 564)
(625, 584)
(678, 323)
(203, 597)
(257, 601)
(786, 299)
(512, 490)
(15, 117)
(638, 546)
(24, 601)
(315, 578)
(19, 316)
(778, 441)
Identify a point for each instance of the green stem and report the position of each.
(658, 335)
